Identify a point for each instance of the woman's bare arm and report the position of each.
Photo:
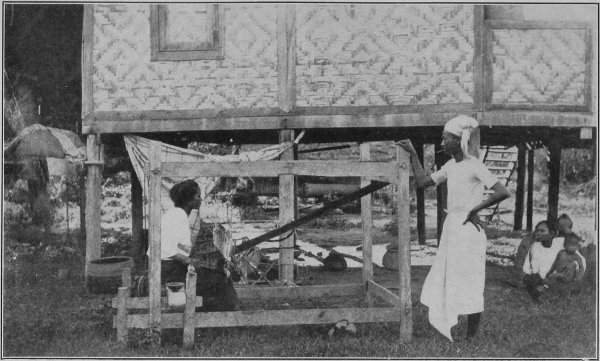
(422, 180)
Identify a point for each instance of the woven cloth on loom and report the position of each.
(139, 147)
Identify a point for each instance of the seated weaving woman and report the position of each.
(177, 252)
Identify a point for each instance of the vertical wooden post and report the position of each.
(189, 312)
(137, 219)
(367, 222)
(122, 296)
(154, 175)
(287, 210)
(286, 56)
(403, 215)
(421, 227)
(442, 192)
(478, 57)
(530, 170)
(553, 180)
(519, 197)
(93, 204)
(126, 277)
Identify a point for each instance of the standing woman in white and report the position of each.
(455, 283)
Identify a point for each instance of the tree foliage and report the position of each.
(43, 63)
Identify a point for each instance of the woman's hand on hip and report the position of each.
(474, 218)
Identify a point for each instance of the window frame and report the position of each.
(160, 51)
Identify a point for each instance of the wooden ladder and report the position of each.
(501, 161)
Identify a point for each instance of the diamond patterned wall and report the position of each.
(124, 78)
(538, 66)
(359, 54)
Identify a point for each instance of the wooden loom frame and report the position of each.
(400, 306)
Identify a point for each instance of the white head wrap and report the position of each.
(462, 126)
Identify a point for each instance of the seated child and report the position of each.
(568, 263)
(564, 225)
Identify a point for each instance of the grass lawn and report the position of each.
(52, 317)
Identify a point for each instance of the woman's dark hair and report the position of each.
(183, 192)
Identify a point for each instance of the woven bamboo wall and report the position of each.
(124, 78)
(384, 54)
(538, 66)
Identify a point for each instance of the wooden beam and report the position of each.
(366, 214)
(520, 195)
(154, 220)
(287, 209)
(143, 303)
(530, 172)
(272, 317)
(93, 200)
(421, 226)
(383, 293)
(536, 24)
(286, 56)
(563, 108)
(332, 168)
(353, 289)
(478, 57)
(403, 214)
(137, 219)
(147, 122)
(87, 66)
(537, 119)
(554, 148)
(441, 192)
(487, 44)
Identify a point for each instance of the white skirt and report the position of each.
(455, 283)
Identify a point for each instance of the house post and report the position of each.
(530, 170)
(520, 195)
(93, 200)
(421, 227)
(553, 180)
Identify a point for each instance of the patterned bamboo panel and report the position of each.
(545, 66)
(125, 78)
(365, 54)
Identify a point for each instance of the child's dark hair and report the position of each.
(565, 217)
(571, 239)
(183, 192)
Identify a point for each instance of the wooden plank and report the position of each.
(388, 296)
(535, 24)
(478, 57)
(87, 66)
(530, 172)
(273, 317)
(487, 44)
(286, 56)
(93, 203)
(520, 194)
(270, 168)
(154, 220)
(354, 289)
(287, 210)
(121, 318)
(189, 312)
(403, 215)
(366, 214)
(553, 180)
(421, 227)
(113, 122)
(143, 303)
